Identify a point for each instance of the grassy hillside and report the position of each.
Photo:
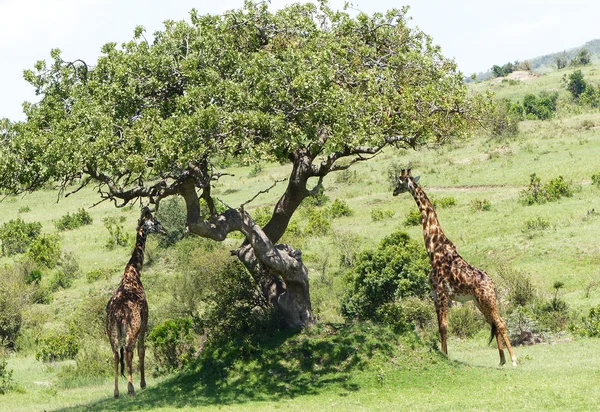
(389, 372)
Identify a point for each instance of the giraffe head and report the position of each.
(149, 224)
(405, 182)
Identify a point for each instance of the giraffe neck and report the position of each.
(432, 231)
(137, 257)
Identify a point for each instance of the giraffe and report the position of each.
(127, 309)
(451, 276)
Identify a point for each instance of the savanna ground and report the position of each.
(366, 367)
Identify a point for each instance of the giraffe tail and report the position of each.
(493, 333)
(122, 360)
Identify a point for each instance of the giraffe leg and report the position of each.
(116, 364)
(129, 362)
(141, 355)
(441, 307)
(499, 337)
(504, 335)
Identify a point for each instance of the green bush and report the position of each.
(339, 208)
(465, 321)
(57, 347)
(6, 381)
(24, 209)
(380, 214)
(318, 224)
(97, 274)
(45, 250)
(93, 364)
(591, 323)
(173, 344)
(523, 327)
(596, 180)
(397, 269)
(35, 276)
(16, 235)
(534, 226)
(317, 199)
(262, 215)
(444, 202)
(520, 290)
(116, 233)
(481, 205)
(172, 214)
(540, 107)
(539, 193)
(11, 316)
(413, 218)
(504, 119)
(575, 83)
(78, 219)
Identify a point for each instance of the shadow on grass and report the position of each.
(284, 365)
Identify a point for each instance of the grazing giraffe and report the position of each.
(127, 309)
(451, 276)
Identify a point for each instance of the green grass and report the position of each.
(555, 376)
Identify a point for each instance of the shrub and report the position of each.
(339, 208)
(78, 219)
(465, 321)
(172, 214)
(24, 209)
(539, 193)
(35, 276)
(575, 83)
(45, 250)
(413, 218)
(16, 235)
(540, 107)
(523, 328)
(173, 344)
(444, 202)
(596, 180)
(57, 347)
(349, 245)
(6, 381)
(348, 176)
(380, 214)
(316, 199)
(520, 290)
(116, 233)
(93, 364)
(591, 323)
(481, 205)
(97, 274)
(534, 226)
(398, 268)
(11, 316)
(317, 223)
(504, 119)
(419, 311)
(60, 280)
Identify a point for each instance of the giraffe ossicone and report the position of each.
(452, 277)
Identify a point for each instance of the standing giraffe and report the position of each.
(451, 276)
(127, 309)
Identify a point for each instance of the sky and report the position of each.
(477, 34)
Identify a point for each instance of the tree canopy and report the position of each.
(318, 88)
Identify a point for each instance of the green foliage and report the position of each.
(523, 327)
(16, 235)
(57, 347)
(6, 379)
(539, 193)
(339, 208)
(413, 218)
(116, 233)
(348, 176)
(519, 288)
(398, 268)
(11, 316)
(316, 199)
(97, 274)
(318, 223)
(241, 95)
(481, 205)
(591, 323)
(262, 215)
(465, 321)
(24, 209)
(575, 83)
(380, 214)
(35, 276)
(78, 219)
(93, 364)
(444, 202)
(504, 119)
(596, 180)
(540, 107)
(501, 71)
(173, 344)
(535, 226)
(172, 214)
(45, 250)
(583, 58)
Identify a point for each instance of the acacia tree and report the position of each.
(309, 86)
